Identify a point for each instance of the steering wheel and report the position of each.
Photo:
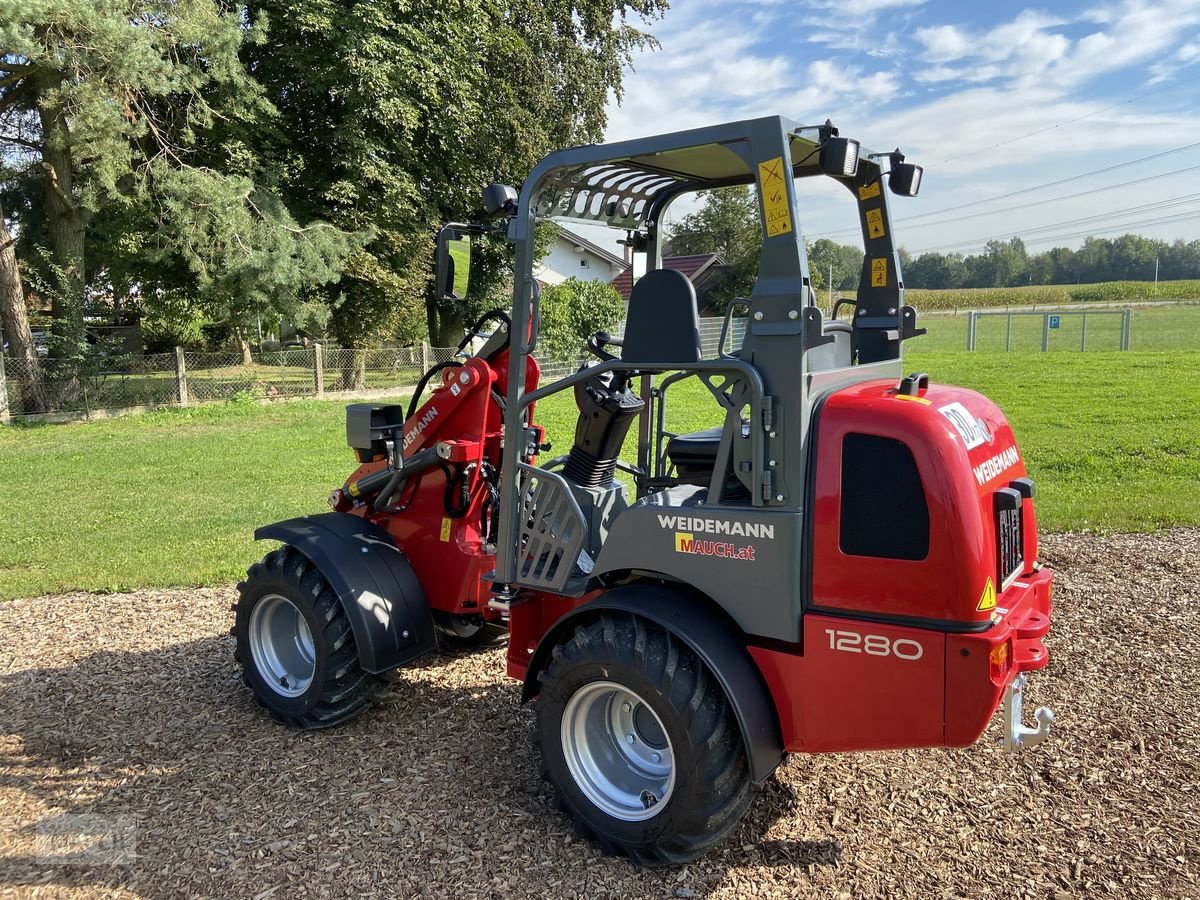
(598, 341)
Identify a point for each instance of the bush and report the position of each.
(572, 312)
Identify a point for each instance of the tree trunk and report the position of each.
(14, 319)
(243, 342)
(354, 370)
(65, 221)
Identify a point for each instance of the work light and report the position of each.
(839, 156)
(905, 178)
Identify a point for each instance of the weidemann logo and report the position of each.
(698, 525)
(990, 468)
(420, 425)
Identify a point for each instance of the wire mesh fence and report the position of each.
(111, 384)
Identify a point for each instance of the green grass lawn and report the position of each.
(172, 498)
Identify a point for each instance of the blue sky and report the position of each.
(947, 81)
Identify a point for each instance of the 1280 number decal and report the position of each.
(874, 644)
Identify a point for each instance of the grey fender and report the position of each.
(376, 585)
(712, 639)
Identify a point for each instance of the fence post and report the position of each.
(1083, 340)
(971, 329)
(181, 390)
(319, 369)
(1008, 334)
(5, 413)
(1045, 332)
(425, 354)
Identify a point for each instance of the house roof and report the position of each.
(595, 249)
(693, 267)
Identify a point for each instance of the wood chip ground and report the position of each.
(128, 709)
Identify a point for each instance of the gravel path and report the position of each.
(127, 709)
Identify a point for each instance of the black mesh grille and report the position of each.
(1009, 542)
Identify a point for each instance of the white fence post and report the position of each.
(319, 369)
(181, 391)
(426, 353)
(5, 412)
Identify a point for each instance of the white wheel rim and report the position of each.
(282, 646)
(618, 752)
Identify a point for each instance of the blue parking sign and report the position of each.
(1054, 320)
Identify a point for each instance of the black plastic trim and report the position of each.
(952, 626)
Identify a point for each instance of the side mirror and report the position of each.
(905, 179)
(453, 264)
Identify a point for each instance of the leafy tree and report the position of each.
(572, 312)
(134, 108)
(393, 116)
(844, 261)
(727, 223)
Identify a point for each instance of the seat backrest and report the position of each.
(662, 325)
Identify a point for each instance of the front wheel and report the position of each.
(295, 644)
(640, 742)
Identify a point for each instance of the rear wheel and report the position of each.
(640, 742)
(295, 644)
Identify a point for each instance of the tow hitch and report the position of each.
(1016, 735)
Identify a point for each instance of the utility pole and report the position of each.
(831, 289)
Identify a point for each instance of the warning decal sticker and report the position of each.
(964, 423)
(773, 190)
(869, 191)
(875, 223)
(879, 271)
(988, 600)
(446, 524)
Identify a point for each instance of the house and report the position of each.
(574, 256)
(706, 271)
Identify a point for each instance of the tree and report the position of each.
(394, 115)
(14, 323)
(134, 108)
(726, 223)
(572, 312)
(845, 262)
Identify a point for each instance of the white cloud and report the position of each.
(863, 7)
(943, 43)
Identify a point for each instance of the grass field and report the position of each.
(172, 498)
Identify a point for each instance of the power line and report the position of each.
(1091, 232)
(1017, 193)
(1097, 112)
(1097, 218)
(1032, 203)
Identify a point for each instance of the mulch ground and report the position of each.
(128, 710)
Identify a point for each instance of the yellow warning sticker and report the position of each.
(879, 271)
(911, 399)
(988, 600)
(868, 191)
(875, 223)
(353, 488)
(773, 190)
(446, 530)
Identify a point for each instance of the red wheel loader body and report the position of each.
(847, 560)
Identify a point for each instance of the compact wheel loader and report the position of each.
(847, 560)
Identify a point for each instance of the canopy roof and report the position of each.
(619, 190)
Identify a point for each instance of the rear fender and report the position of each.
(715, 641)
(376, 585)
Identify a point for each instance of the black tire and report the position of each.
(711, 789)
(339, 688)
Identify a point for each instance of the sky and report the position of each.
(992, 98)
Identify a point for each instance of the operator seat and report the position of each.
(662, 324)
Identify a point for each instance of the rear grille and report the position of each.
(1009, 535)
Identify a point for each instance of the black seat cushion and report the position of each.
(697, 450)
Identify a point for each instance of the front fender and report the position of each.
(712, 639)
(376, 585)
